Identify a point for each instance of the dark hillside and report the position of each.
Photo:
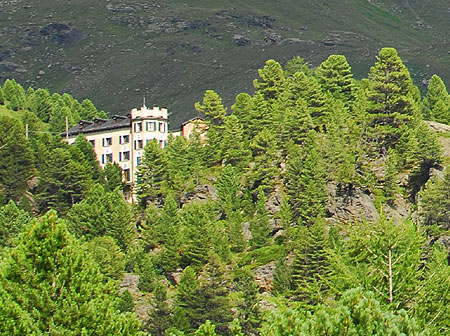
(115, 52)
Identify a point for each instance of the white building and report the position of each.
(122, 138)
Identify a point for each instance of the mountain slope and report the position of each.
(116, 52)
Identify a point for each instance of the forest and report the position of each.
(244, 230)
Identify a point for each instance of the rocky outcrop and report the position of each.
(62, 34)
(202, 192)
(141, 300)
(264, 276)
(6, 66)
(355, 205)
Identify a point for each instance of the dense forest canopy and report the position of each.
(317, 205)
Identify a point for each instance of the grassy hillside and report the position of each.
(116, 52)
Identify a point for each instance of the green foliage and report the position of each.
(158, 320)
(108, 256)
(113, 177)
(49, 285)
(297, 64)
(151, 174)
(91, 160)
(12, 220)
(259, 226)
(435, 205)
(102, 213)
(391, 96)
(16, 159)
(437, 101)
(147, 274)
(311, 266)
(336, 78)
(305, 181)
(126, 303)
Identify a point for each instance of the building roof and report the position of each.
(99, 125)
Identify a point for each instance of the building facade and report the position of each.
(122, 139)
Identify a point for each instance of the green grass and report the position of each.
(121, 64)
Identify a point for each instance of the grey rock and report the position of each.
(69, 68)
(240, 40)
(200, 193)
(62, 34)
(6, 66)
(264, 276)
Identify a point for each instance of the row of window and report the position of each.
(123, 156)
(124, 139)
(150, 126)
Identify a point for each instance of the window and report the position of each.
(92, 142)
(124, 139)
(150, 126)
(162, 127)
(138, 160)
(124, 156)
(138, 144)
(107, 142)
(126, 175)
(138, 127)
(107, 158)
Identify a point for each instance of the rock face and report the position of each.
(130, 283)
(342, 206)
(62, 34)
(264, 276)
(200, 193)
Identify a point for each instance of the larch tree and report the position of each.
(49, 285)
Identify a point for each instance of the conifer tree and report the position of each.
(384, 257)
(235, 150)
(228, 188)
(185, 317)
(49, 285)
(297, 123)
(197, 222)
(215, 113)
(335, 76)
(2, 96)
(305, 181)
(311, 267)
(271, 81)
(12, 220)
(16, 159)
(159, 317)
(113, 177)
(108, 256)
(91, 158)
(88, 110)
(436, 104)
(297, 64)
(392, 97)
(151, 174)
(266, 160)
(178, 165)
(40, 103)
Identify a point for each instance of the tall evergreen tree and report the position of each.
(151, 174)
(336, 78)
(48, 285)
(436, 104)
(12, 220)
(305, 181)
(271, 81)
(296, 64)
(235, 150)
(113, 177)
(91, 158)
(392, 96)
(159, 317)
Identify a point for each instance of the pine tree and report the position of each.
(297, 64)
(228, 188)
(311, 267)
(159, 317)
(113, 176)
(271, 81)
(91, 158)
(336, 78)
(235, 150)
(151, 174)
(48, 285)
(147, 274)
(12, 220)
(214, 112)
(88, 110)
(437, 101)
(40, 103)
(185, 317)
(305, 181)
(392, 96)
(108, 256)
(16, 160)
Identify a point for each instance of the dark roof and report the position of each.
(192, 119)
(99, 125)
